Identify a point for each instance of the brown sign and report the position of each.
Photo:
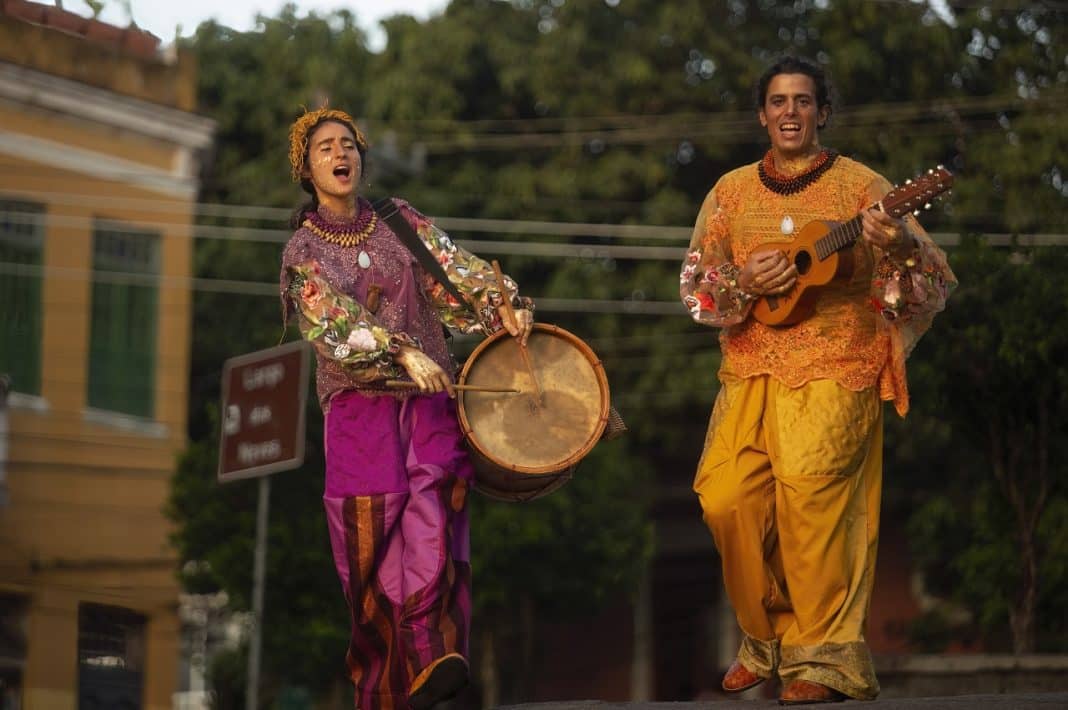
(263, 399)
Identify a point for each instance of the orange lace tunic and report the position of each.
(863, 328)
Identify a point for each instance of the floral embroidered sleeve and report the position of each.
(909, 292)
(473, 278)
(340, 328)
(708, 284)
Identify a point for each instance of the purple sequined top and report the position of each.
(383, 276)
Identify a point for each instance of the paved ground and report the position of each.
(1017, 701)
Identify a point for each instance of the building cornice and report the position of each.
(180, 183)
(34, 88)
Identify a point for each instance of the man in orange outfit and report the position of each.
(791, 473)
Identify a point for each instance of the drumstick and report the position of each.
(511, 317)
(405, 384)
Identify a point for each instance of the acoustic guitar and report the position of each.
(820, 250)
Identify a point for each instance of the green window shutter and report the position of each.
(122, 337)
(21, 245)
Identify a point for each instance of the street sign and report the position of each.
(263, 400)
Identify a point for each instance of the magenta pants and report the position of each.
(397, 476)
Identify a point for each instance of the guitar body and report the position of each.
(813, 274)
(822, 250)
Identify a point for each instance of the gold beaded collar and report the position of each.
(346, 233)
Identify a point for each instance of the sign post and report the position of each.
(264, 395)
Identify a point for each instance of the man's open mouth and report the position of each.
(790, 127)
(343, 171)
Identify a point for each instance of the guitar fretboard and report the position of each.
(838, 238)
(899, 201)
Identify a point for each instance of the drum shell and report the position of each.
(522, 449)
(509, 486)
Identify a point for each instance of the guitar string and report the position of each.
(846, 233)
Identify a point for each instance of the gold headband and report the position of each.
(298, 134)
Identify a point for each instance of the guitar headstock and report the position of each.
(916, 194)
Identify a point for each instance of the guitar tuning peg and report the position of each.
(930, 171)
(927, 206)
(909, 181)
(916, 213)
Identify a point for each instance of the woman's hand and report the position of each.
(521, 329)
(887, 233)
(424, 372)
(767, 272)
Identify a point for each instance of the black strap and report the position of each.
(387, 210)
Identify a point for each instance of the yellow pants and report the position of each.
(789, 483)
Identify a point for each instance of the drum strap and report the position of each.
(387, 210)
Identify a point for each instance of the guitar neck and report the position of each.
(901, 200)
(841, 236)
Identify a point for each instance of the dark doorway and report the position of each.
(111, 649)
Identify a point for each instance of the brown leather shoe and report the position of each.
(739, 678)
(804, 692)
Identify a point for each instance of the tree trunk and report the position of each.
(1022, 613)
(1018, 477)
(487, 669)
(641, 663)
(526, 637)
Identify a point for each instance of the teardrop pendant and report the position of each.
(787, 225)
(364, 260)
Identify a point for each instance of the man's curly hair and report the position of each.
(302, 128)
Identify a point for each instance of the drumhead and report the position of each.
(516, 431)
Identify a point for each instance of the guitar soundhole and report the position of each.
(803, 262)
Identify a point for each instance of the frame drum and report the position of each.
(523, 448)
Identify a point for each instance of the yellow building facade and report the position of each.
(99, 156)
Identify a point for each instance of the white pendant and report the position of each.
(787, 225)
(364, 260)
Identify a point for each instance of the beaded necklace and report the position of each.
(346, 233)
(786, 185)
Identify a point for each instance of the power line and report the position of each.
(257, 288)
(140, 511)
(280, 215)
(280, 236)
(61, 468)
(884, 112)
(992, 5)
(748, 135)
(738, 125)
(741, 127)
(676, 234)
(625, 306)
(252, 213)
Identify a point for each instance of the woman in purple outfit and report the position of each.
(397, 473)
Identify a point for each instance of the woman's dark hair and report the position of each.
(312, 205)
(789, 64)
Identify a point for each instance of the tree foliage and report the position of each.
(994, 539)
(626, 113)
